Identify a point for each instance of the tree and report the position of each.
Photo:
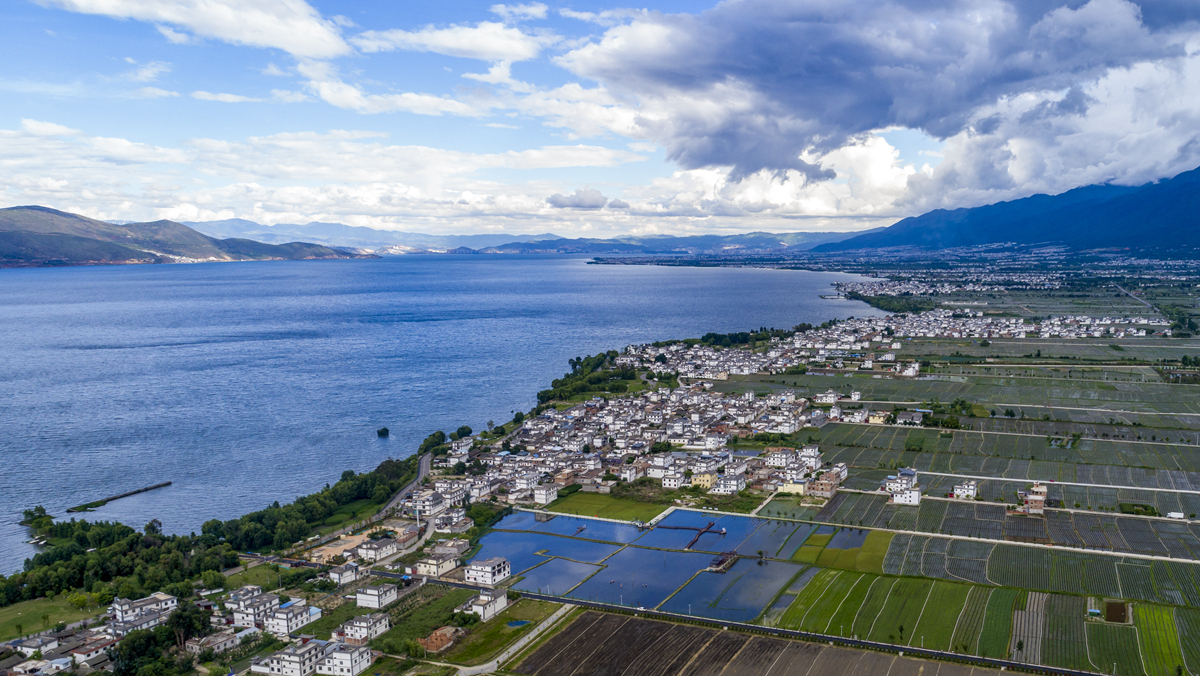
(20, 629)
(153, 528)
(212, 580)
(1020, 646)
(79, 600)
(187, 621)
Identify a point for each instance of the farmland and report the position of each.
(596, 643)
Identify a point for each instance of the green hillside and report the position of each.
(38, 236)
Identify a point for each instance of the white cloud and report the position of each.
(290, 25)
(500, 125)
(223, 98)
(486, 41)
(40, 128)
(325, 84)
(150, 71)
(155, 93)
(286, 96)
(274, 71)
(608, 17)
(534, 10)
(175, 37)
(584, 198)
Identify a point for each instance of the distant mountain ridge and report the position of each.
(355, 236)
(1161, 215)
(40, 236)
(338, 234)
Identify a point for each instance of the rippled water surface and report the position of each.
(253, 382)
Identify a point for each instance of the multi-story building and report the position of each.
(296, 659)
(378, 596)
(361, 629)
(345, 660)
(487, 605)
(488, 571)
(289, 618)
(133, 615)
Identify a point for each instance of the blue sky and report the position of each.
(587, 118)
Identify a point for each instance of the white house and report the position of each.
(344, 574)
(374, 550)
(780, 458)
(361, 629)
(488, 571)
(345, 660)
(129, 615)
(908, 496)
(296, 659)
(487, 605)
(436, 565)
(545, 494)
(967, 490)
(729, 484)
(286, 620)
(378, 596)
(672, 480)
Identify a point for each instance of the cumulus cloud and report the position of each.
(762, 85)
(290, 25)
(584, 198)
(618, 204)
(487, 41)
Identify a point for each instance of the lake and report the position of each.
(246, 383)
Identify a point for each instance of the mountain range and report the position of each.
(38, 236)
(1160, 215)
(338, 234)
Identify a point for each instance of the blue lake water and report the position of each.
(521, 549)
(848, 538)
(555, 576)
(254, 382)
(641, 577)
(739, 595)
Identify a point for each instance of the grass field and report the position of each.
(938, 620)
(970, 621)
(901, 611)
(870, 557)
(808, 598)
(997, 623)
(606, 506)
(1112, 645)
(1159, 639)
(260, 575)
(29, 614)
(486, 640)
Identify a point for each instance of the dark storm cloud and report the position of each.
(756, 84)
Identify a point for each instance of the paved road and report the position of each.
(1140, 300)
(423, 467)
(978, 477)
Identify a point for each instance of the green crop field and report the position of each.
(1114, 646)
(1187, 620)
(997, 623)
(902, 610)
(1159, 639)
(938, 618)
(808, 598)
(1064, 639)
(842, 622)
(970, 621)
(818, 617)
(870, 557)
(877, 595)
(606, 506)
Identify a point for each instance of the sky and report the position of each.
(587, 119)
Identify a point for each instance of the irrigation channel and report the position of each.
(902, 650)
